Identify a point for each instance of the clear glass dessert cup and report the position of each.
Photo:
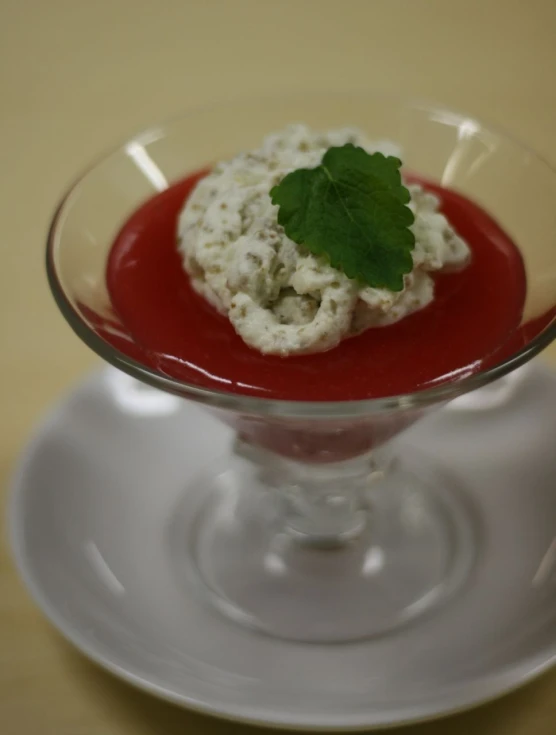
(315, 528)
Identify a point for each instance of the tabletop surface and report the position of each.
(77, 76)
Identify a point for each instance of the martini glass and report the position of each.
(314, 527)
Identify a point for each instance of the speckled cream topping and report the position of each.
(281, 299)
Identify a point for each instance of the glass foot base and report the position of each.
(413, 548)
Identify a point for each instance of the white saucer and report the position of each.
(92, 504)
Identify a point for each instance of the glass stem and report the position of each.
(323, 506)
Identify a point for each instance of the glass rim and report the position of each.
(255, 405)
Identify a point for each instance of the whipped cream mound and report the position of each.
(280, 298)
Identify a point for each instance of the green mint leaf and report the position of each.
(351, 209)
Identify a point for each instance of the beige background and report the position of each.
(77, 76)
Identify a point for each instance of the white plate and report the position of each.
(91, 509)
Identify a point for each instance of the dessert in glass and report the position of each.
(189, 259)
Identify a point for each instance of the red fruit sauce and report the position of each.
(473, 319)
